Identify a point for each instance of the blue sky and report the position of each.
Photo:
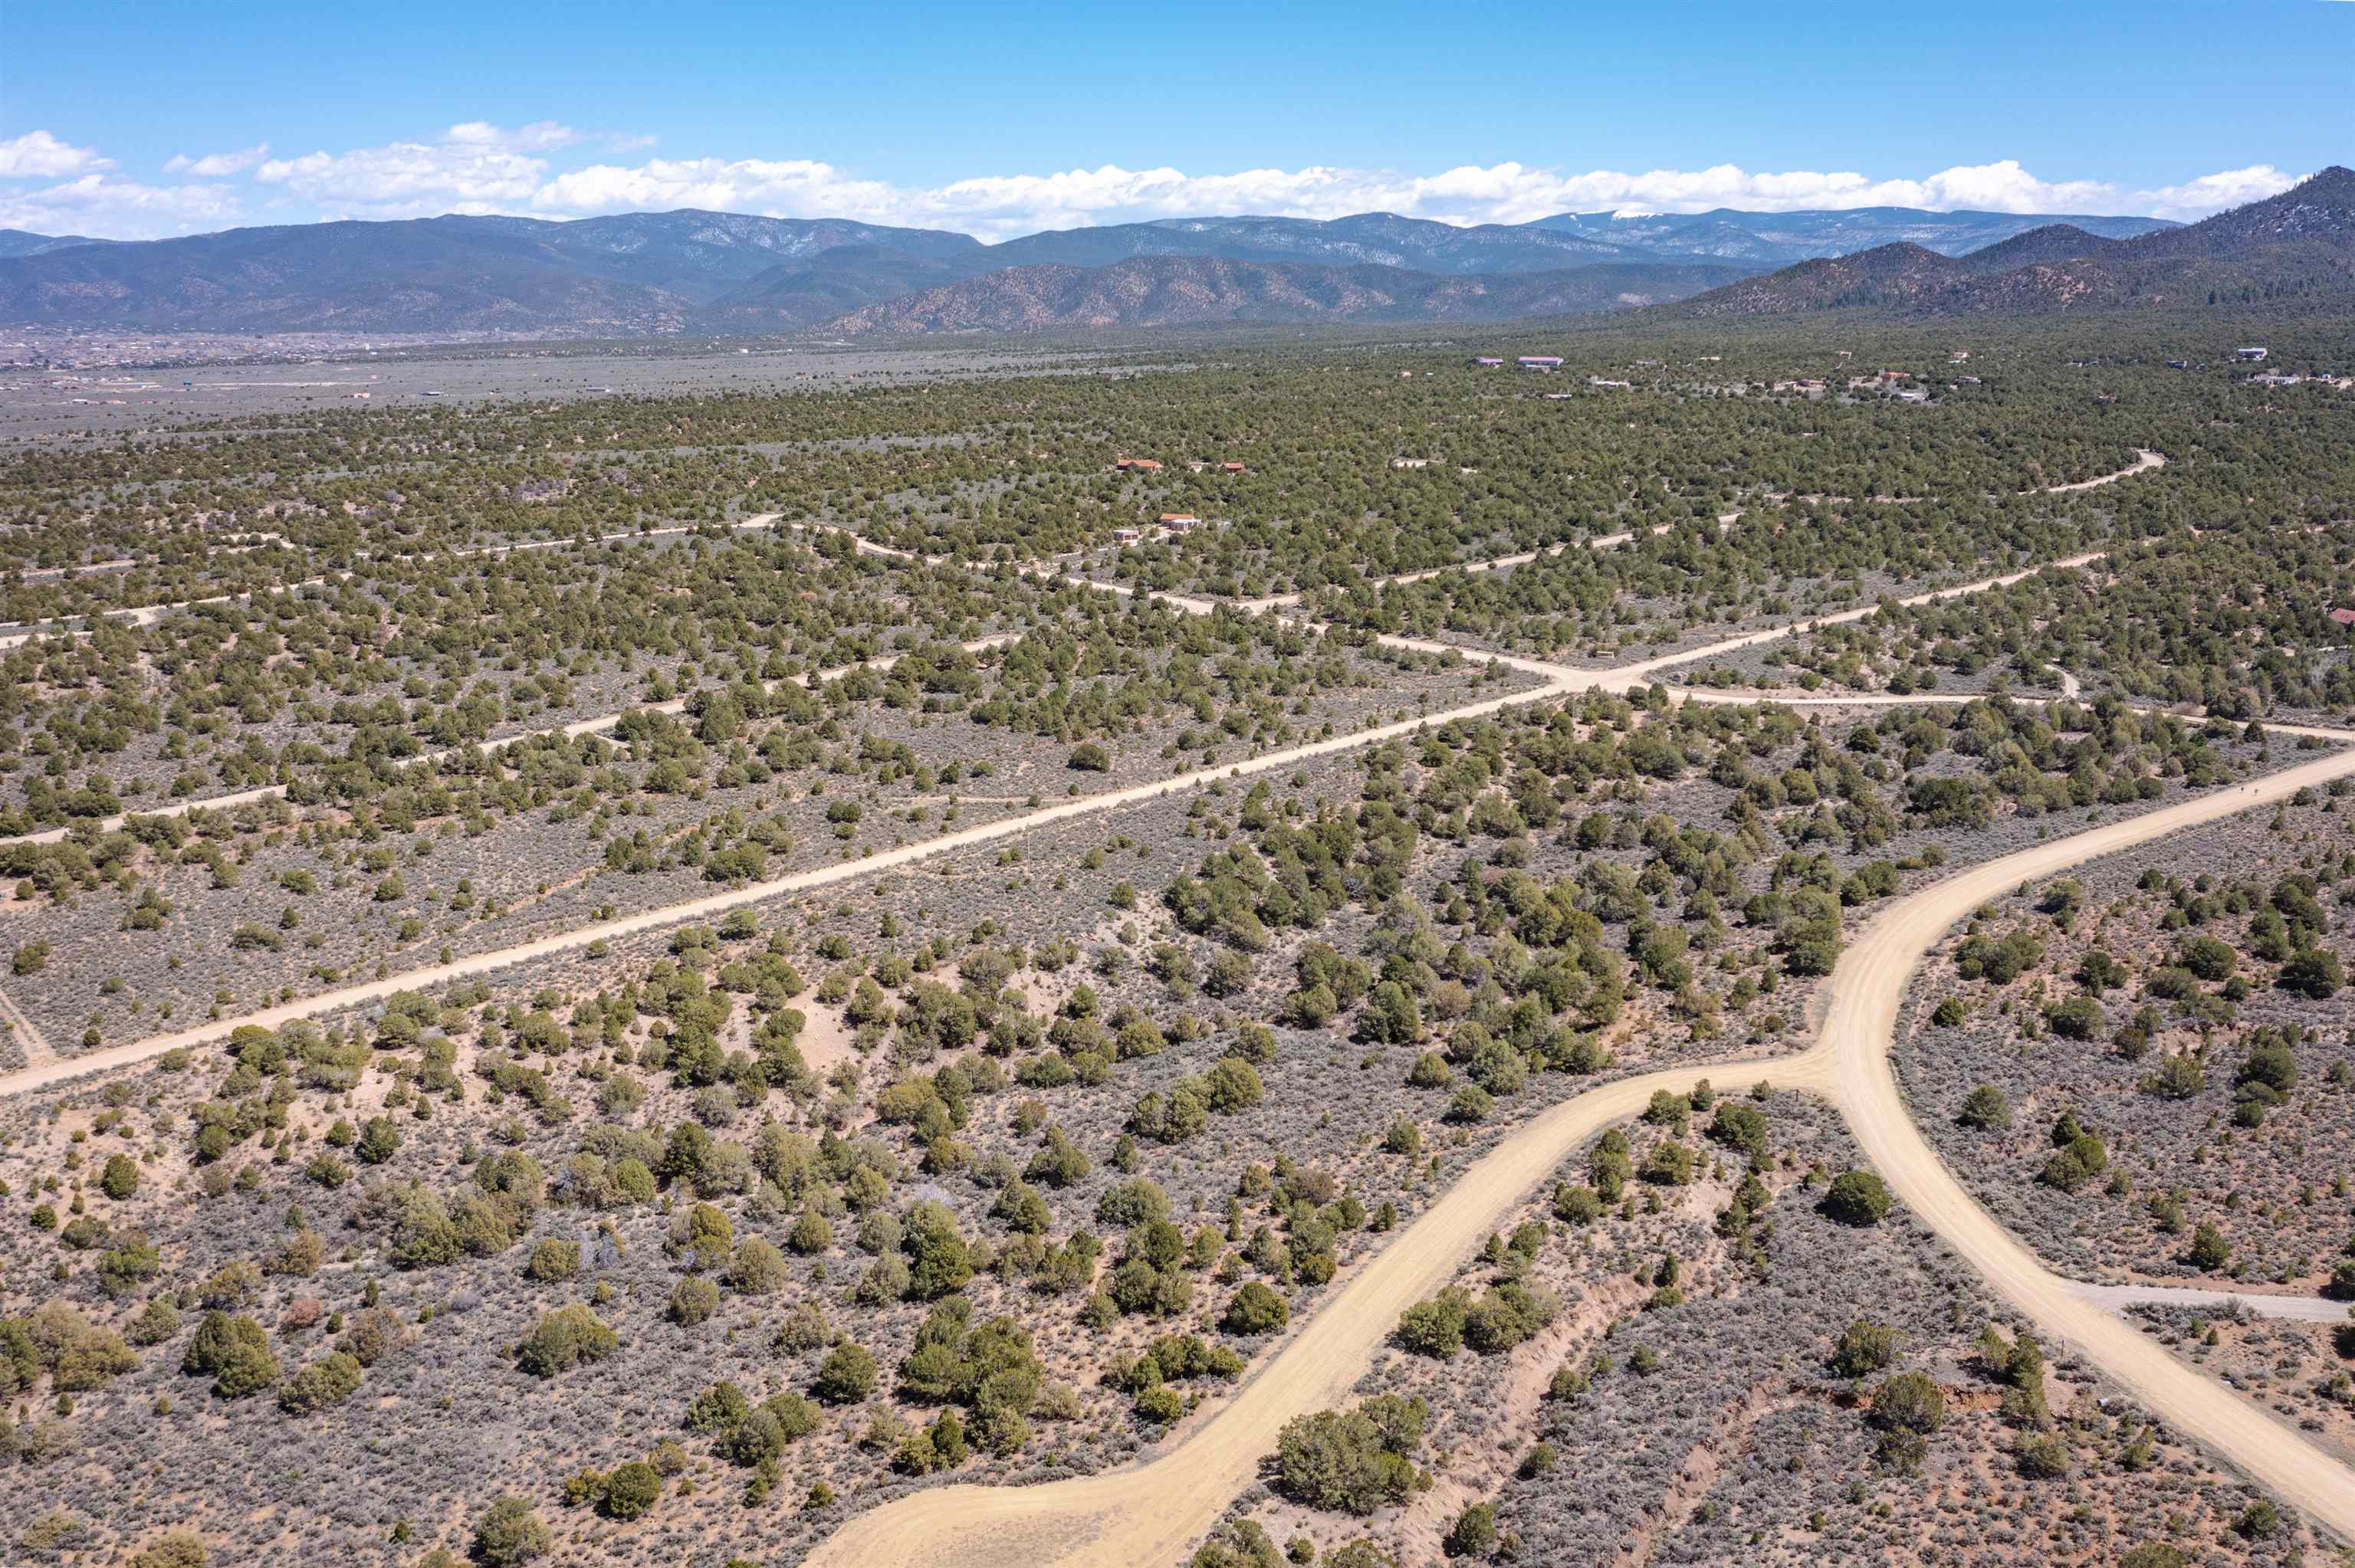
(138, 120)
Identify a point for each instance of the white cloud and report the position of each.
(113, 209)
(213, 166)
(38, 155)
(477, 166)
(540, 136)
(1001, 206)
(481, 173)
(2213, 193)
(789, 188)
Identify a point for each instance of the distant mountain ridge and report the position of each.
(1773, 238)
(723, 273)
(1195, 291)
(2299, 242)
(23, 242)
(630, 273)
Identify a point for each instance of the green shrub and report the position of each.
(235, 1352)
(329, 1380)
(1864, 1347)
(1985, 1109)
(693, 1300)
(177, 1550)
(2043, 1458)
(510, 1534)
(1857, 1198)
(1474, 1534)
(562, 1339)
(553, 1260)
(847, 1375)
(120, 1178)
(631, 1489)
(1255, 1309)
(1351, 1461)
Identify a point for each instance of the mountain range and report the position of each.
(2299, 242)
(689, 271)
(683, 271)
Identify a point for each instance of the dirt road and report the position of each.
(1152, 1513)
(1865, 989)
(2145, 460)
(720, 903)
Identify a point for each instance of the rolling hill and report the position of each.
(831, 284)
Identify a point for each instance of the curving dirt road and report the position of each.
(2293, 1308)
(2145, 460)
(1153, 1513)
(1865, 989)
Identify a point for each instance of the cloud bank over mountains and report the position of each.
(551, 169)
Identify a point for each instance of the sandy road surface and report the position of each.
(148, 614)
(1802, 702)
(1471, 569)
(1151, 1513)
(2295, 1308)
(1559, 681)
(1627, 675)
(2145, 460)
(1866, 989)
(29, 1039)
